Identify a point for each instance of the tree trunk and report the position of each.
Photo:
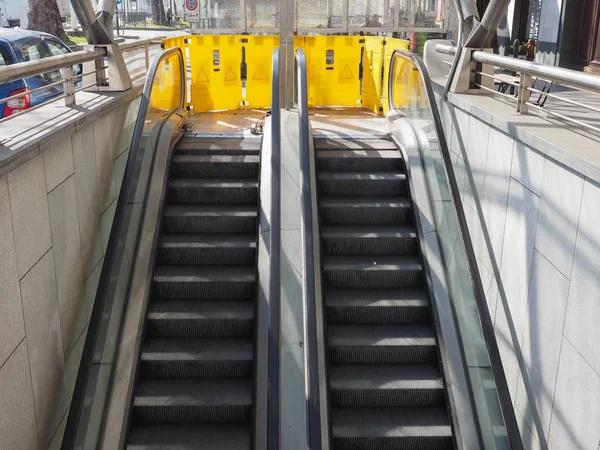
(44, 15)
(159, 16)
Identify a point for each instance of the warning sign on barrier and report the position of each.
(260, 74)
(192, 12)
(230, 75)
(346, 73)
(202, 77)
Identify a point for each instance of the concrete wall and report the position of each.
(56, 212)
(534, 223)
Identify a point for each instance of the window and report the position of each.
(5, 58)
(56, 48)
(34, 50)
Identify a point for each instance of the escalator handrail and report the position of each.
(85, 365)
(504, 398)
(309, 279)
(274, 307)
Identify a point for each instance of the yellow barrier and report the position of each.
(346, 71)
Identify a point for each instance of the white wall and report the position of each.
(541, 220)
(56, 212)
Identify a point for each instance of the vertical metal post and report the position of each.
(243, 16)
(69, 85)
(524, 94)
(287, 15)
(345, 9)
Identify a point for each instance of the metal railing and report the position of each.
(273, 374)
(528, 73)
(309, 290)
(69, 82)
(87, 385)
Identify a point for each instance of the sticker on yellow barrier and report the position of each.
(202, 77)
(260, 74)
(230, 75)
(346, 74)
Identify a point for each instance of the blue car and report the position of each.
(18, 46)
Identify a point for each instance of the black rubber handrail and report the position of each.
(309, 280)
(85, 365)
(506, 407)
(274, 307)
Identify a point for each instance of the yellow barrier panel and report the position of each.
(333, 69)
(373, 52)
(227, 71)
(347, 71)
(166, 85)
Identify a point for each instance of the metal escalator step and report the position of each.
(381, 344)
(383, 142)
(197, 358)
(210, 219)
(192, 401)
(359, 160)
(212, 191)
(366, 211)
(350, 184)
(242, 145)
(215, 282)
(190, 437)
(372, 271)
(385, 385)
(392, 428)
(193, 249)
(200, 318)
(214, 166)
(369, 239)
(377, 306)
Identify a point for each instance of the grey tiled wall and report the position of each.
(535, 227)
(55, 214)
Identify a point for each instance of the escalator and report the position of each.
(385, 384)
(195, 381)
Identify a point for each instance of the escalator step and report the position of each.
(348, 184)
(216, 282)
(369, 240)
(392, 428)
(192, 401)
(191, 437)
(214, 166)
(372, 271)
(193, 249)
(387, 385)
(359, 160)
(381, 344)
(212, 191)
(377, 306)
(381, 142)
(367, 211)
(197, 358)
(208, 219)
(242, 145)
(200, 318)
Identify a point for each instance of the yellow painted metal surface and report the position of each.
(166, 85)
(347, 71)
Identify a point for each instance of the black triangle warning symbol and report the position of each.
(202, 77)
(230, 75)
(260, 74)
(346, 73)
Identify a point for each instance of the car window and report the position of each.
(34, 50)
(56, 48)
(5, 57)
